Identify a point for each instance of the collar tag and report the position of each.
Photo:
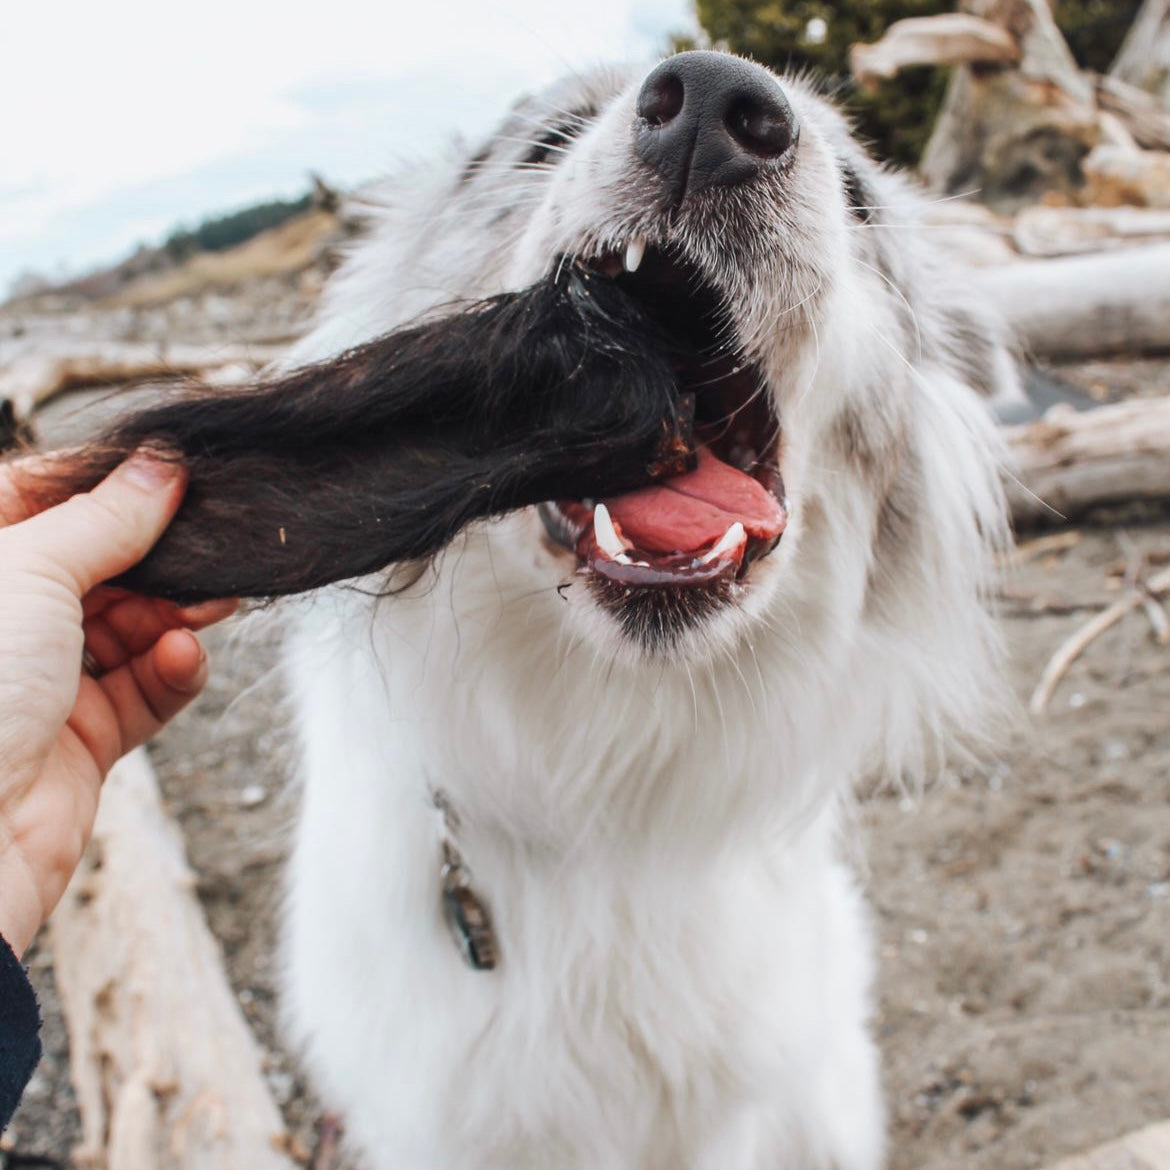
(467, 916)
(470, 925)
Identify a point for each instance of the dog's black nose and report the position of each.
(710, 120)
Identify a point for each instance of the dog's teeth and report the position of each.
(732, 539)
(606, 536)
(635, 250)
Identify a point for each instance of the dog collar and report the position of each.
(465, 912)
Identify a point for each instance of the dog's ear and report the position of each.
(383, 454)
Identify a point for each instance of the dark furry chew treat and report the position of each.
(383, 454)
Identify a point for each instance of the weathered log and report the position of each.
(33, 378)
(1144, 60)
(953, 38)
(1069, 461)
(1145, 1149)
(1049, 232)
(167, 1074)
(970, 232)
(1087, 306)
(1116, 177)
(1145, 117)
(1015, 134)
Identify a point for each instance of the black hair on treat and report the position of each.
(382, 455)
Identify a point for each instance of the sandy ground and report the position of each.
(1023, 908)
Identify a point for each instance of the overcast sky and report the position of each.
(124, 118)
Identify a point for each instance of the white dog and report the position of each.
(568, 889)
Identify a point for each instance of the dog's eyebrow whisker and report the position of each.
(534, 143)
(550, 110)
(563, 130)
(498, 168)
(552, 119)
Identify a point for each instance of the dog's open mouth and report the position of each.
(707, 526)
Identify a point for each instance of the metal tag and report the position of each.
(470, 924)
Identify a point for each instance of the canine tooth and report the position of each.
(635, 250)
(606, 536)
(732, 539)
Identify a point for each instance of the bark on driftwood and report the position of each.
(1146, 1149)
(1144, 60)
(167, 1074)
(1069, 462)
(1087, 306)
(950, 39)
(1015, 134)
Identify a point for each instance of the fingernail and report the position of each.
(149, 469)
(198, 646)
(194, 683)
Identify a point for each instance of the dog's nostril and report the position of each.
(661, 99)
(763, 128)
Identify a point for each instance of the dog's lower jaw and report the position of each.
(696, 1008)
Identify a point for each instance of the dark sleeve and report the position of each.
(20, 1025)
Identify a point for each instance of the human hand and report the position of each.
(62, 729)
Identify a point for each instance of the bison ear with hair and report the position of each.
(382, 455)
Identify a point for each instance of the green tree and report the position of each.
(1095, 29)
(226, 231)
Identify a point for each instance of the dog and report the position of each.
(570, 885)
(641, 715)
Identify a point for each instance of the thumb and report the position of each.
(99, 534)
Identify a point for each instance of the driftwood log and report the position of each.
(167, 1074)
(1049, 232)
(1144, 60)
(1015, 133)
(1021, 120)
(33, 379)
(1116, 176)
(1145, 117)
(954, 38)
(1145, 1149)
(1087, 306)
(1069, 462)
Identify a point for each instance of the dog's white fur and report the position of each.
(685, 977)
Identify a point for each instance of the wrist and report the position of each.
(21, 907)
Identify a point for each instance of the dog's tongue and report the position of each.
(691, 512)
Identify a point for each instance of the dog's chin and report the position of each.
(678, 624)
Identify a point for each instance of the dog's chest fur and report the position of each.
(678, 985)
(683, 982)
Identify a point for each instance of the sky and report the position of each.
(127, 118)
